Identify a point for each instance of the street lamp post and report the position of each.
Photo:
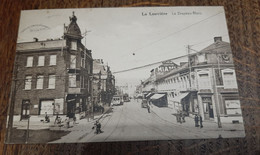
(91, 94)
(27, 132)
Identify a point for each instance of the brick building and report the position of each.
(53, 76)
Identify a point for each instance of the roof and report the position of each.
(41, 45)
(98, 67)
(216, 47)
(73, 29)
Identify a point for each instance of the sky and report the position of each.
(130, 37)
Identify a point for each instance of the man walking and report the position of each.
(200, 118)
(196, 119)
(148, 108)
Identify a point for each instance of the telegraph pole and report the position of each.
(216, 98)
(12, 101)
(189, 65)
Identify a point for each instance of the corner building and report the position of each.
(53, 76)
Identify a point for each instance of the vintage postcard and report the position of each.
(123, 74)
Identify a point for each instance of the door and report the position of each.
(47, 106)
(208, 107)
(25, 109)
(211, 114)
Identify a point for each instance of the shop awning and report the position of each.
(148, 95)
(157, 96)
(180, 97)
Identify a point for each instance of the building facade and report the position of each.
(205, 85)
(103, 83)
(53, 76)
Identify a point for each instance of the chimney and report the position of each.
(217, 39)
(35, 39)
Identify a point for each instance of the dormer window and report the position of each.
(74, 45)
(201, 58)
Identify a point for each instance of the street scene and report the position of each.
(145, 74)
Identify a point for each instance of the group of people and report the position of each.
(97, 125)
(198, 121)
(180, 117)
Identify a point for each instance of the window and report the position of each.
(52, 60)
(83, 62)
(72, 80)
(25, 109)
(74, 45)
(204, 80)
(233, 107)
(229, 78)
(201, 58)
(28, 83)
(41, 60)
(29, 62)
(47, 106)
(72, 61)
(82, 82)
(39, 82)
(51, 83)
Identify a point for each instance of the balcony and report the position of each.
(75, 91)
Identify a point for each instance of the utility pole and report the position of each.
(91, 91)
(189, 65)
(216, 97)
(12, 101)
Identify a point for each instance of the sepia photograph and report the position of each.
(123, 74)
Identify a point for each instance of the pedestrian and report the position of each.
(177, 119)
(98, 127)
(47, 119)
(148, 108)
(180, 116)
(196, 119)
(183, 117)
(74, 119)
(56, 119)
(200, 118)
(67, 120)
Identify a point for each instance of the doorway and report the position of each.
(25, 111)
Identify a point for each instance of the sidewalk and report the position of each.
(167, 114)
(82, 124)
(37, 122)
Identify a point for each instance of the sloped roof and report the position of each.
(216, 47)
(97, 67)
(73, 28)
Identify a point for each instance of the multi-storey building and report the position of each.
(52, 76)
(204, 85)
(103, 83)
(151, 89)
